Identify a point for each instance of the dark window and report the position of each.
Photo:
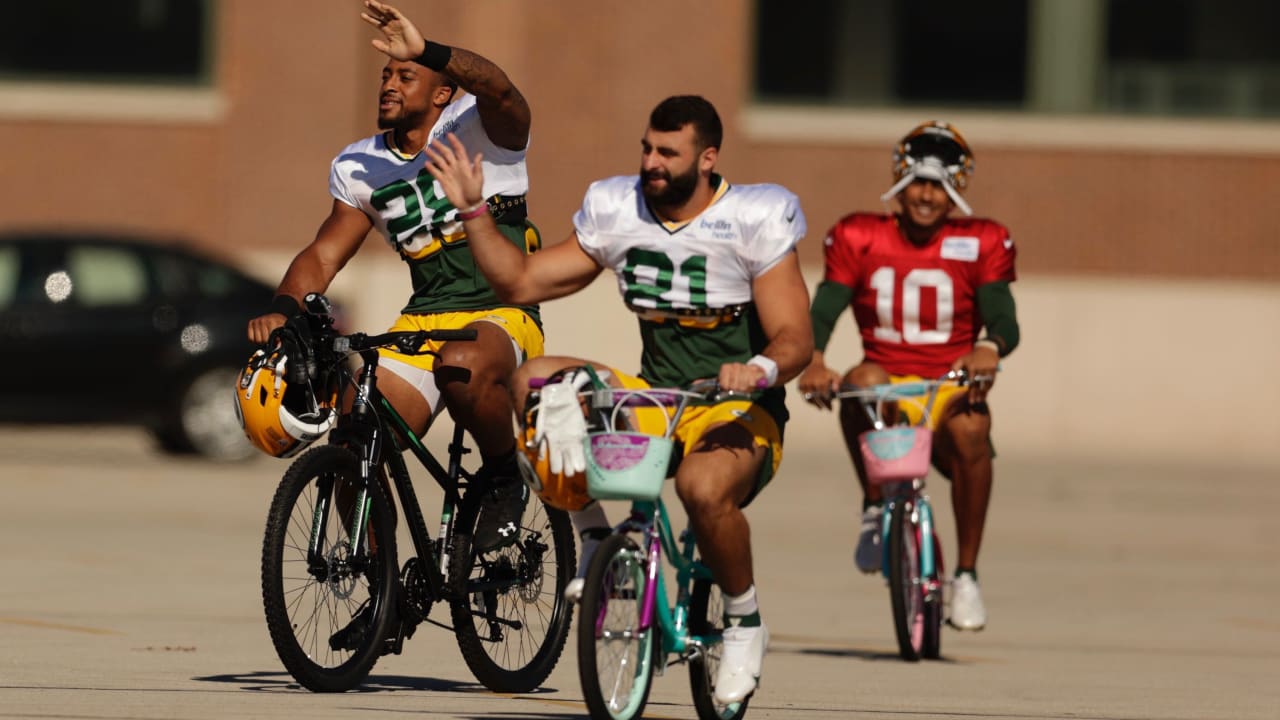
(887, 52)
(160, 41)
(960, 53)
(1175, 57)
(1193, 57)
(181, 275)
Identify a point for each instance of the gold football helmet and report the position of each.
(559, 490)
(280, 418)
(933, 150)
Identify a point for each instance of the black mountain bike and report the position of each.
(335, 596)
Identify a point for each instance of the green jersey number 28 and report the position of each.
(415, 194)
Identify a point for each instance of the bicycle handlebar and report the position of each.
(406, 342)
(906, 389)
(706, 389)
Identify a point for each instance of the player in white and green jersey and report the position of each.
(394, 190)
(429, 90)
(710, 270)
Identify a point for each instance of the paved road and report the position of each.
(129, 589)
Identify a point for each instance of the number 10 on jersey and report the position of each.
(882, 281)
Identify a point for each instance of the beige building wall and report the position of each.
(1144, 245)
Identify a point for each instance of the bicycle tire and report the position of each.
(504, 658)
(615, 682)
(706, 618)
(303, 612)
(932, 646)
(905, 586)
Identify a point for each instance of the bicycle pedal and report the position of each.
(394, 643)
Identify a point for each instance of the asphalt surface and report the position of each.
(1116, 591)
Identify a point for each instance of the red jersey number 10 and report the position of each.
(883, 281)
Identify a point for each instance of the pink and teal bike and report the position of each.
(628, 630)
(896, 457)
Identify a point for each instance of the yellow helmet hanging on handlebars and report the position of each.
(559, 490)
(279, 419)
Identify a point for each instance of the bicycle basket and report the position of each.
(896, 454)
(626, 465)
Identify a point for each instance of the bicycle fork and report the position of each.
(920, 514)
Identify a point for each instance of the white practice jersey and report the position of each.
(405, 203)
(704, 264)
(691, 283)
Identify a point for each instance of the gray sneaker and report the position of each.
(869, 553)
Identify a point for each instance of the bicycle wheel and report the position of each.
(327, 621)
(932, 648)
(615, 656)
(904, 582)
(509, 612)
(706, 618)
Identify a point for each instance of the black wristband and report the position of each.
(285, 305)
(435, 56)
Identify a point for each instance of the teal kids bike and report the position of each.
(896, 457)
(628, 630)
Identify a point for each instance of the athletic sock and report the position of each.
(742, 610)
(971, 572)
(589, 518)
(592, 526)
(502, 464)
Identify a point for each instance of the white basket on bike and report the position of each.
(896, 454)
(626, 465)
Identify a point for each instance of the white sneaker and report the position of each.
(967, 610)
(741, 656)
(869, 554)
(573, 590)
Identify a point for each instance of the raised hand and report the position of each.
(400, 38)
(461, 180)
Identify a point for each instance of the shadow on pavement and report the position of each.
(860, 654)
(279, 680)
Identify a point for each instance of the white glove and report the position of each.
(561, 430)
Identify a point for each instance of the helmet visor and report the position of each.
(935, 144)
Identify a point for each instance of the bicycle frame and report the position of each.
(650, 519)
(921, 516)
(363, 427)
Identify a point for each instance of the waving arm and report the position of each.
(503, 110)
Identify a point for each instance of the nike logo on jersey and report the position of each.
(960, 248)
(792, 216)
(1008, 243)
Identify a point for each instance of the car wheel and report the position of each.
(206, 419)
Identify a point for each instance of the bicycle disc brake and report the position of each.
(341, 578)
(529, 569)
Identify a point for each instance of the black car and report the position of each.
(121, 330)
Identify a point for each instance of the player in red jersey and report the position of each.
(930, 293)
